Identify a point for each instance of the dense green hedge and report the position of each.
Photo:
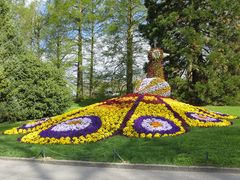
(31, 89)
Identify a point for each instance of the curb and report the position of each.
(127, 165)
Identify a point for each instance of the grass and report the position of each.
(200, 146)
(233, 110)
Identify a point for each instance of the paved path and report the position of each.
(27, 170)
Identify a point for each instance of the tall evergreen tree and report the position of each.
(10, 43)
(203, 40)
(75, 13)
(59, 42)
(30, 21)
(123, 23)
(95, 18)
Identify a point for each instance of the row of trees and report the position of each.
(62, 47)
(69, 33)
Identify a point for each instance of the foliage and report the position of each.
(30, 23)
(10, 44)
(124, 40)
(29, 87)
(78, 36)
(36, 90)
(59, 43)
(202, 38)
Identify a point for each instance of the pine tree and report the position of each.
(10, 43)
(203, 40)
(124, 18)
(30, 22)
(56, 34)
(95, 19)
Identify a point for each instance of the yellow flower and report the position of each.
(149, 135)
(157, 135)
(142, 135)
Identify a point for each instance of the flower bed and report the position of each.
(134, 115)
(154, 86)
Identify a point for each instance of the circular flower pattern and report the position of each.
(73, 124)
(150, 124)
(74, 127)
(202, 117)
(33, 123)
(218, 113)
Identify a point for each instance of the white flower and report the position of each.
(32, 124)
(147, 124)
(203, 117)
(145, 82)
(73, 124)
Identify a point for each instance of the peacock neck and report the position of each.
(155, 69)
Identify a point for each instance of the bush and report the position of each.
(36, 89)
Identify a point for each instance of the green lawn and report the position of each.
(200, 146)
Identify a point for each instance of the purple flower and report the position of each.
(33, 124)
(75, 127)
(202, 117)
(152, 124)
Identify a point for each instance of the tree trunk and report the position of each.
(91, 65)
(129, 49)
(38, 38)
(79, 95)
(58, 53)
(92, 57)
(189, 72)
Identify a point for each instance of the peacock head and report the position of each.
(156, 54)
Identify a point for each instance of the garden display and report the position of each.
(147, 113)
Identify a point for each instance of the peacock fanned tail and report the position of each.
(133, 115)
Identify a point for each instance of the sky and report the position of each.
(28, 2)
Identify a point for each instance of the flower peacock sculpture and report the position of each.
(155, 82)
(148, 113)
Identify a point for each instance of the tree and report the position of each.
(71, 24)
(201, 37)
(57, 37)
(75, 14)
(30, 21)
(92, 20)
(95, 19)
(85, 18)
(124, 20)
(29, 87)
(10, 43)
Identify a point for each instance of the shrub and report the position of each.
(36, 89)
